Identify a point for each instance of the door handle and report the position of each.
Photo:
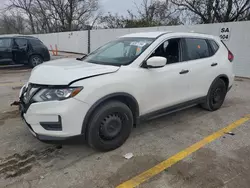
(184, 72)
(214, 64)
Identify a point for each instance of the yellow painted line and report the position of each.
(134, 182)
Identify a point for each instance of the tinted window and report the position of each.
(196, 49)
(21, 43)
(35, 42)
(214, 46)
(5, 43)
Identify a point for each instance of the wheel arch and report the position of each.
(225, 79)
(35, 54)
(222, 77)
(126, 98)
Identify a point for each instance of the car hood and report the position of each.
(65, 71)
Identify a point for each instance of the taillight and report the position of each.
(230, 56)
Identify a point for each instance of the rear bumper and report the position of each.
(47, 57)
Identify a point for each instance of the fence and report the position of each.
(235, 34)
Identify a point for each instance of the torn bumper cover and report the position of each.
(53, 120)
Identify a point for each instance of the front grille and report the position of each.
(27, 96)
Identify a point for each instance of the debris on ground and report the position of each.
(230, 133)
(128, 155)
(15, 103)
(17, 87)
(59, 147)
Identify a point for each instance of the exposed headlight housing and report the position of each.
(56, 94)
(21, 90)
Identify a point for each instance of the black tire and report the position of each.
(109, 126)
(35, 60)
(216, 96)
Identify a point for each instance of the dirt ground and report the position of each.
(225, 163)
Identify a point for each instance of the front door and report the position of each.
(5, 50)
(166, 86)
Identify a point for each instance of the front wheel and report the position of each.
(110, 126)
(35, 60)
(216, 96)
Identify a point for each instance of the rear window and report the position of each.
(5, 43)
(196, 49)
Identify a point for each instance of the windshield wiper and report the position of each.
(81, 58)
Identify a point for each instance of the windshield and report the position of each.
(120, 52)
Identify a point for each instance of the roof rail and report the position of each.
(23, 36)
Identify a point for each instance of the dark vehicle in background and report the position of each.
(23, 50)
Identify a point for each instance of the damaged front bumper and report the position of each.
(52, 121)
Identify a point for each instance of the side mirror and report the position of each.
(156, 62)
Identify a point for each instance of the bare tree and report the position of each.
(157, 11)
(149, 13)
(72, 14)
(112, 21)
(211, 11)
(26, 6)
(57, 15)
(12, 23)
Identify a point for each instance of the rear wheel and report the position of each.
(35, 60)
(110, 126)
(216, 96)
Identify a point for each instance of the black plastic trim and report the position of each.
(53, 138)
(171, 109)
(107, 97)
(52, 126)
(163, 34)
(184, 72)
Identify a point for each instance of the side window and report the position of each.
(196, 49)
(170, 49)
(21, 43)
(214, 46)
(5, 43)
(35, 42)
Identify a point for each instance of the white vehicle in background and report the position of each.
(140, 76)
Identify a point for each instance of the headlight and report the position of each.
(51, 94)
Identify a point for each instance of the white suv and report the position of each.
(140, 76)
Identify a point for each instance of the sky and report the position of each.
(114, 6)
(119, 6)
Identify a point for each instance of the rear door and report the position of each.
(202, 66)
(5, 50)
(20, 49)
